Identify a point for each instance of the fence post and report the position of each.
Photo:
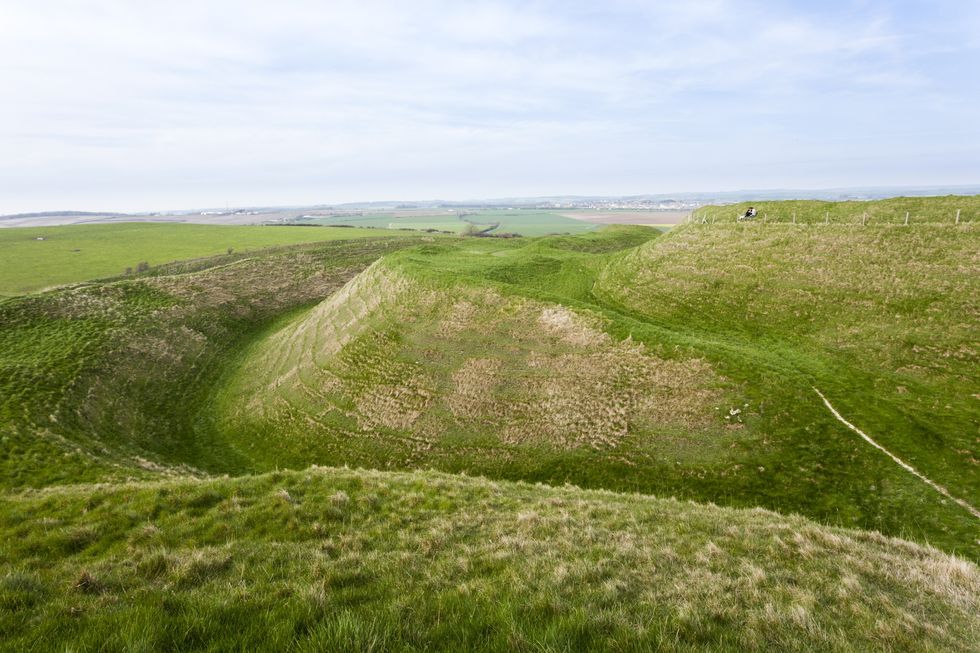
(906, 218)
(958, 216)
(864, 218)
(765, 216)
(794, 217)
(826, 217)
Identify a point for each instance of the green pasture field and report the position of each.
(896, 210)
(525, 222)
(532, 222)
(383, 220)
(69, 254)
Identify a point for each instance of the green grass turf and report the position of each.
(69, 254)
(105, 381)
(787, 453)
(920, 210)
(330, 559)
(895, 378)
(135, 384)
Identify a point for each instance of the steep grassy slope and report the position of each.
(919, 210)
(41, 257)
(105, 381)
(391, 370)
(882, 319)
(677, 365)
(453, 355)
(351, 560)
(529, 359)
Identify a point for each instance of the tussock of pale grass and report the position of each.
(391, 354)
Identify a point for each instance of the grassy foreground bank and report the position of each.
(331, 559)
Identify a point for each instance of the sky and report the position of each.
(122, 105)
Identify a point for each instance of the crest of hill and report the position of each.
(391, 356)
(337, 559)
(895, 306)
(573, 359)
(133, 379)
(948, 209)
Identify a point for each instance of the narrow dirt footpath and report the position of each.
(936, 486)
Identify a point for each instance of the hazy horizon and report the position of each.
(762, 194)
(117, 106)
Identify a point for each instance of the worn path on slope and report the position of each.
(936, 486)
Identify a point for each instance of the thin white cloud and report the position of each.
(117, 104)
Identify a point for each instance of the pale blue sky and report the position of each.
(125, 105)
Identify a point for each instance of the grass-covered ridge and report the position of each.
(448, 355)
(903, 211)
(884, 318)
(523, 359)
(389, 360)
(106, 381)
(331, 559)
(142, 419)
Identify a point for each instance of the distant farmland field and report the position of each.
(526, 222)
(391, 220)
(627, 216)
(33, 258)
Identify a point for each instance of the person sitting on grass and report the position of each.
(749, 214)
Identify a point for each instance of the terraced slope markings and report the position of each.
(679, 365)
(568, 359)
(454, 355)
(388, 356)
(109, 381)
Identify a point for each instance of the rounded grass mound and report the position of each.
(331, 559)
(392, 357)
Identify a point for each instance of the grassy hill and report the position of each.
(395, 370)
(105, 381)
(144, 422)
(591, 361)
(882, 318)
(919, 210)
(331, 559)
(40, 257)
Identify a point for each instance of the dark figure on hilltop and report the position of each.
(749, 214)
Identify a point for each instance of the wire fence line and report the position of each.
(864, 218)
